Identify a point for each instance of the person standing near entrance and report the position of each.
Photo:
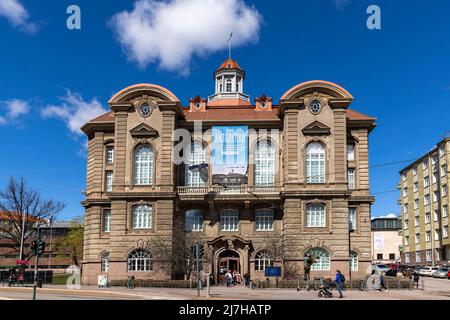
(228, 278)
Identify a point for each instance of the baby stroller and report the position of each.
(326, 288)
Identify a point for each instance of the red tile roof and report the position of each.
(106, 117)
(355, 115)
(229, 64)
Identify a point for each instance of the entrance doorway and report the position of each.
(227, 260)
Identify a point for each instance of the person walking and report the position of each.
(340, 279)
(416, 279)
(382, 284)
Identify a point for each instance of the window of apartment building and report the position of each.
(106, 220)
(435, 177)
(444, 190)
(416, 221)
(352, 218)
(109, 181)
(416, 186)
(427, 217)
(437, 234)
(417, 238)
(315, 215)
(315, 163)
(143, 165)
(445, 232)
(193, 220)
(428, 236)
(416, 203)
(406, 224)
(434, 159)
(435, 196)
(140, 260)
(105, 262)
(379, 256)
(437, 216)
(425, 164)
(442, 150)
(443, 170)
(445, 211)
(391, 256)
(195, 165)
(264, 164)
(351, 179)
(142, 217)
(426, 182)
(407, 241)
(407, 258)
(229, 220)
(109, 155)
(426, 200)
(405, 209)
(264, 219)
(414, 170)
(404, 177)
(350, 152)
(418, 258)
(263, 259)
(322, 257)
(405, 192)
(428, 255)
(354, 261)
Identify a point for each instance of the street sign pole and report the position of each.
(36, 263)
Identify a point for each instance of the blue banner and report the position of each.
(273, 272)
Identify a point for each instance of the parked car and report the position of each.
(427, 271)
(441, 273)
(380, 268)
(417, 270)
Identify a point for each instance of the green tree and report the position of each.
(72, 242)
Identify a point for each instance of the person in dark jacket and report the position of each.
(339, 283)
(416, 279)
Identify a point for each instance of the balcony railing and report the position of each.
(228, 190)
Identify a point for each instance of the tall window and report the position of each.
(418, 257)
(350, 152)
(321, 257)
(194, 220)
(143, 165)
(353, 261)
(264, 219)
(263, 259)
(105, 262)
(229, 84)
(264, 164)
(229, 219)
(142, 217)
(110, 155)
(315, 163)
(426, 182)
(140, 260)
(352, 218)
(193, 169)
(407, 258)
(351, 179)
(315, 215)
(428, 255)
(109, 181)
(106, 220)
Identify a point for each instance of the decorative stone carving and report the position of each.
(145, 105)
(144, 131)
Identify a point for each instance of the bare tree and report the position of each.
(22, 211)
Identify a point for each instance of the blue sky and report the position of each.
(52, 78)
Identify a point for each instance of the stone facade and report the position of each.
(125, 128)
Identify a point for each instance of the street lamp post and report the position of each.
(22, 236)
(350, 230)
(51, 237)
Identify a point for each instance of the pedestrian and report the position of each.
(238, 278)
(247, 280)
(340, 279)
(382, 284)
(228, 278)
(416, 279)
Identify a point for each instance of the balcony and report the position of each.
(399, 186)
(229, 191)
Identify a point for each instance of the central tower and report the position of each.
(229, 86)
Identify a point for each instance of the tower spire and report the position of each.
(229, 45)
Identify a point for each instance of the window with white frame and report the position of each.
(414, 171)
(315, 215)
(445, 232)
(444, 211)
(106, 220)
(443, 170)
(418, 258)
(229, 220)
(428, 255)
(416, 187)
(264, 219)
(435, 196)
(407, 258)
(425, 164)
(263, 259)
(427, 217)
(105, 262)
(321, 259)
(426, 200)
(109, 181)
(352, 218)
(140, 260)
(315, 163)
(434, 159)
(229, 84)
(142, 216)
(441, 150)
(405, 192)
(404, 177)
(406, 224)
(109, 155)
(194, 220)
(197, 163)
(407, 241)
(264, 171)
(437, 234)
(426, 182)
(435, 177)
(444, 190)
(143, 165)
(416, 203)
(351, 152)
(437, 216)
(417, 238)
(354, 261)
(351, 179)
(428, 236)
(416, 221)
(405, 209)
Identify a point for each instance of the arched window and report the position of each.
(194, 220)
(315, 215)
(197, 163)
(142, 217)
(315, 163)
(354, 261)
(140, 260)
(264, 171)
(321, 257)
(263, 259)
(105, 262)
(143, 165)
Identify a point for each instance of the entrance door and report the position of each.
(228, 260)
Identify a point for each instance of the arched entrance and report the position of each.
(228, 260)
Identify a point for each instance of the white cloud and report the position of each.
(390, 215)
(17, 15)
(74, 111)
(170, 33)
(341, 4)
(14, 109)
